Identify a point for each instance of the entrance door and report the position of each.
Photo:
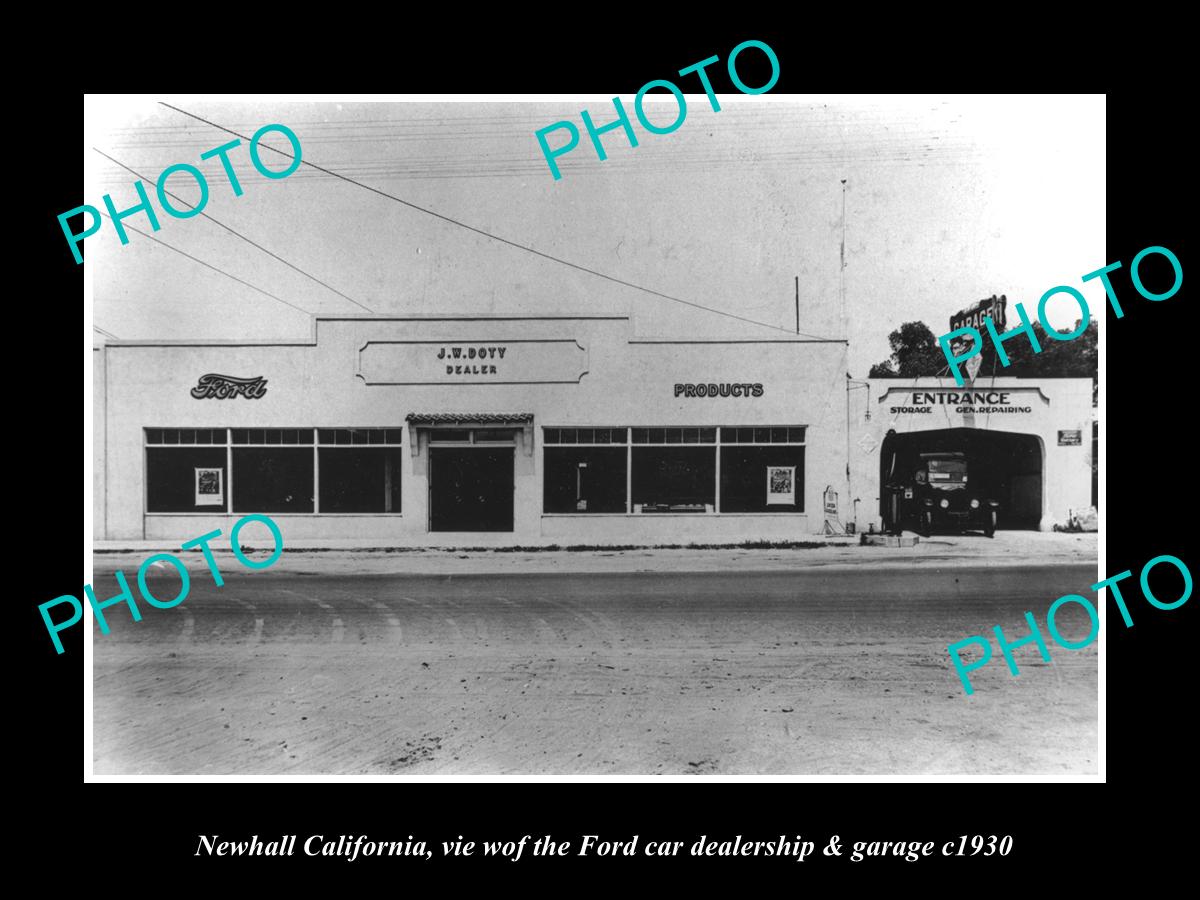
(471, 489)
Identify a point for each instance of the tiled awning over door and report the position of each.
(523, 421)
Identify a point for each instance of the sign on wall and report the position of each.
(552, 361)
(933, 402)
(781, 485)
(210, 487)
(1070, 438)
(227, 387)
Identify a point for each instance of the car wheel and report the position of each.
(989, 528)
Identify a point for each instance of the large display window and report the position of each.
(273, 470)
(645, 470)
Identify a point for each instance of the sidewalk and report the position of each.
(366, 558)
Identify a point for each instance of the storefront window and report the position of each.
(273, 479)
(674, 479)
(762, 479)
(273, 470)
(186, 479)
(360, 480)
(674, 469)
(584, 480)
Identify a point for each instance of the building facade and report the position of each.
(442, 431)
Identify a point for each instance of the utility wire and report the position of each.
(502, 240)
(106, 333)
(236, 234)
(211, 266)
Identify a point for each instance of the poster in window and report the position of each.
(781, 485)
(210, 487)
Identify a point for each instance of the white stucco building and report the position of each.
(453, 430)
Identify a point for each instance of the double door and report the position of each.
(471, 489)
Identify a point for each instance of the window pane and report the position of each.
(187, 435)
(304, 436)
(550, 435)
(745, 435)
(359, 436)
(154, 436)
(326, 436)
(584, 480)
(778, 435)
(691, 435)
(171, 478)
(674, 479)
(273, 479)
(641, 435)
(443, 435)
(274, 435)
(708, 435)
(361, 480)
(290, 436)
(602, 436)
(257, 436)
(796, 435)
(585, 436)
(657, 435)
(762, 435)
(483, 435)
(342, 436)
(567, 436)
(744, 478)
(170, 435)
(375, 436)
(394, 435)
(241, 436)
(203, 436)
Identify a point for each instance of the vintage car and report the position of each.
(935, 492)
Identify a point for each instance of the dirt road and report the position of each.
(733, 673)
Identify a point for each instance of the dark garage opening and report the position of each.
(1006, 465)
(471, 489)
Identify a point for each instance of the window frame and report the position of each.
(718, 441)
(315, 442)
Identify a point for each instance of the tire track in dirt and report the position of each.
(337, 626)
(436, 613)
(256, 637)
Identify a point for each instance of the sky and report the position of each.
(948, 199)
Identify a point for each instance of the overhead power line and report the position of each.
(238, 234)
(106, 333)
(502, 240)
(211, 266)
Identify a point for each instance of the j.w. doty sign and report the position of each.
(227, 387)
(547, 361)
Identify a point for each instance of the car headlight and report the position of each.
(974, 504)
(945, 503)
